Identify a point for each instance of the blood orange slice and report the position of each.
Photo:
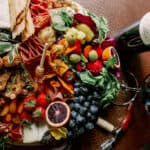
(110, 52)
(57, 114)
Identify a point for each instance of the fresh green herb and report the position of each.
(3, 140)
(68, 20)
(4, 36)
(5, 47)
(11, 55)
(29, 87)
(61, 21)
(102, 25)
(88, 78)
(14, 80)
(7, 90)
(111, 62)
(105, 80)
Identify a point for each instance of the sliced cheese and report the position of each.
(4, 14)
(34, 133)
(29, 26)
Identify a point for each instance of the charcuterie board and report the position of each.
(59, 72)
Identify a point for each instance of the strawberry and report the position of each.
(94, 67)
(38, 114)
(29, 102)
(99, 51)
(26, 117)
(43, 100)
(69, 76)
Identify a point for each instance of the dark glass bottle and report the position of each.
(136, 37)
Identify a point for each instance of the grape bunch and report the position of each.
(84, 109)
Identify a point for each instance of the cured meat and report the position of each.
(40, 15)
(31, 50)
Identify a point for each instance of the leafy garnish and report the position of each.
(61, 20)
(3, 141)
(5, 47)
(106, 81)
(29, 86)
(111, 62)
(68, 20)
(102, 25)
(11, 55)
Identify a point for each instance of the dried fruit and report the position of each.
(8, 118)
(13, 106)
(86, 50)
(5, 110)
(20, 107)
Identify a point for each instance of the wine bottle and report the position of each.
(136, 37)
(146, 93)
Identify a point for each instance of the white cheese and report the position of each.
(4, 14)
(34, 133)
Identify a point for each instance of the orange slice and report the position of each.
(110, 52)
(57, 114)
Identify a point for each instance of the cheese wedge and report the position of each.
(34, 133)
(4, 15)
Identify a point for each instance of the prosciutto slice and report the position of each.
(31, 50)
(40, 15)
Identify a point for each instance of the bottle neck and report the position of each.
(129, 39)
(144, 29)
